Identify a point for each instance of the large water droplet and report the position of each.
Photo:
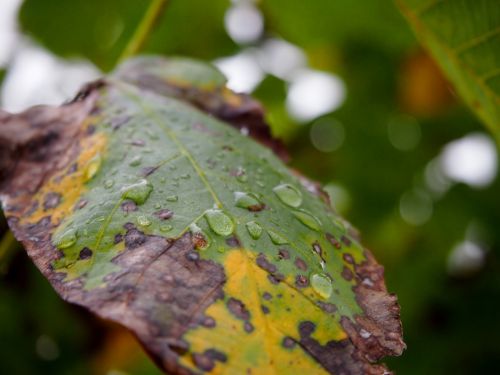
(136, 160)
(322, 285)
(289, 195)
(254, 229)
(276, 238)
(248, 201)
(93, 167)
(138, 192)
(67, 239)
(172, 198)
(219, 222)
(308, 220)
(143, 221)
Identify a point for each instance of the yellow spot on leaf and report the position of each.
(260, 349)
(69, 185)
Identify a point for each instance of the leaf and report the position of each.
(464, 37)
(154, 214)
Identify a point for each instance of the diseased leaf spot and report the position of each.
(267, 296)
(238, 309)
(164, 214)
(300, 264)
(192, 256)
(333, 241)
(248, 327)
(216, 355)
(301, 281)
(346, 241)
(203, 362)
(263, 263)
(134, 238)
(347, 274)
(51, 200)
(85, 253)
(283, 254)
(288, 342)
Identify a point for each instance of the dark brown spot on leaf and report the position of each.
(248, 327)
(333, 241)
(300, 264)
(164, 214)
(51, 200)
(288, 342)
(203, 362)
(238, 309)
(283, 254)
(263, 263)
(233, 241)
(301, 281)
(85, 253)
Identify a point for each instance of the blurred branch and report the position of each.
(144, 28)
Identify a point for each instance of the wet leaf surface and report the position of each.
(136, 201)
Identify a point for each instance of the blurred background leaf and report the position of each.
(464, 37)
(363, 108)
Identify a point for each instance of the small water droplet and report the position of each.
(186, 176)
(201, 240)
(276, 238)
(136, 160)
(308, 219)
(172, 167)
(138, 192)
(163, 180)
(219, 222)
(221, 249)
(157, 206)
(289, 195)
(108, 184)
(261, 184)
(93, 167)
(153, 136)
(67, 239)
(248, 201)
(322, 285)
(166, 228)
(254, 229)
(172, 198)
(143, 221)
(241, 174)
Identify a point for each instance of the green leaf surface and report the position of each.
(139, 202)
(464, 37)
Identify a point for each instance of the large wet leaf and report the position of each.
(464, 37)
(136, 202)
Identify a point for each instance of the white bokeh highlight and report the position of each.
(242, 71)
(244, 22)
(471, 160)
(313, 93)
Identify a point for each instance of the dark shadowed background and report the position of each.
(363, 109)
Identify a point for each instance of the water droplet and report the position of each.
(276, 238)
(308, 220)
(289, 195)
(322, 285)
(143, 221)
(153, 136)
(261, 184)
(201, 240)
(254, 229)
(219, 222)
(166, 228)
(136, 160)
(241, 174)
(172, 167)
(172, 198)
(186, 176)
(138, 192)
(248, 201)
(108, 184)
(221, 249)
(157, 205)
(67, 239)
(93, 167)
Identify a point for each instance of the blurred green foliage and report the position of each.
(448, 320)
